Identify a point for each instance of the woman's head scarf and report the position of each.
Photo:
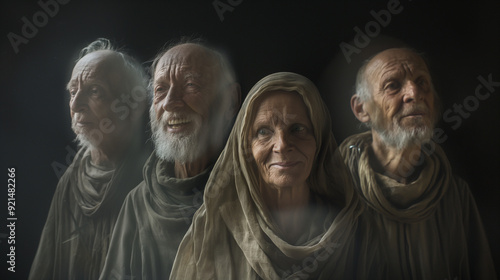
(234, 209)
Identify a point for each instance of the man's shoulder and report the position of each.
(460, 186)
(355, 141)
(138, 193)
(134, 205)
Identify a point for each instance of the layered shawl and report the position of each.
(154, 218)
(233, 235)
(86, 203)
(427, 229)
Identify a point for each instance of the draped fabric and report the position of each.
(86, 203)
(233, 234)
(154, 218)
(427, 229)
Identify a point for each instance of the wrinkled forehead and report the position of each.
(190, 58)
(279, 106)
(97, 65)
(396, 60)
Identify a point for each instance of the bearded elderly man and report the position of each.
(421, 221)
(108, 165)
(195, 101)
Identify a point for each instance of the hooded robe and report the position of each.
(234, 235)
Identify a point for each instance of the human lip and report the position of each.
(284, 164)
(414, 114)
(177, 123)
(418, 111)
(174, 122)
(83, 123)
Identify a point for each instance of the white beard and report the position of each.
(401, 137)
(83, 139)
(181, 148)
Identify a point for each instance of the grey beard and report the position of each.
(401, 138)
(83, 142)
(185, 148)
(82, 139)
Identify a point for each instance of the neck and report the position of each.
(110, 153)
(399, 164)
(287, 206)
(104, 157)
(190, 169)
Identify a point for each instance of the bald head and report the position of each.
(97, 65)
(188, 54)
(378, 67)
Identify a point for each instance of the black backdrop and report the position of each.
(462, 41)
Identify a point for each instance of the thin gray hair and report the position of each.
(135, 72)
(363, 90)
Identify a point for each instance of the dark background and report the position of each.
(462, 42)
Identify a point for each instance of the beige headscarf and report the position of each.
(233, 235)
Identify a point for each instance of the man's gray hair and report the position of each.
(363, 89)
(135, 72)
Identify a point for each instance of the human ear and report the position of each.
(358, 108)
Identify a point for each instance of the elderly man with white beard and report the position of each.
(108, 165)
(195, 99)
(421, 221)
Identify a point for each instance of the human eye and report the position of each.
(392, 87)
(95, 90)
(263, 132)
(301, 130)
(160, 90)
(192, 86)
(423, 83)
(298, 128)
(72, 91)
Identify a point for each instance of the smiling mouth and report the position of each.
(178, 123)
(415, 115)
(284, 165)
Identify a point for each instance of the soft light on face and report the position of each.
(93, 89)
(282, 140)
(185, 86)
(402, 105)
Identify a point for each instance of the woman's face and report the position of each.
(282, 140)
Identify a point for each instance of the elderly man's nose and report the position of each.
(79, 101)
(173, 99)
(411, 92)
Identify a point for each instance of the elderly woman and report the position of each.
(279, 203)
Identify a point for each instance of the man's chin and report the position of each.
(83, 141)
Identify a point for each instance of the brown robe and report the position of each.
(427, 229)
